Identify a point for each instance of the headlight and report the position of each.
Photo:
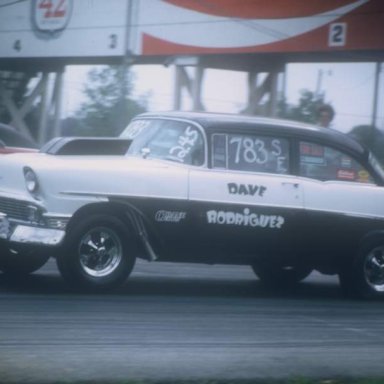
(31, 181)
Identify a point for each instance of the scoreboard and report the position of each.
(246, 26)
(70, 29)
(62, 28)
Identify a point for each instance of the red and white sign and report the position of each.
(66, 29)
(171, 27)
(100, 28)
(51, 15)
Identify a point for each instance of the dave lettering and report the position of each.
(246, 189)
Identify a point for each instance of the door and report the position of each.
(247, 205)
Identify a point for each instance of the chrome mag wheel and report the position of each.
(100, 252)
(374, 269)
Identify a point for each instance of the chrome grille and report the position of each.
(15, 209)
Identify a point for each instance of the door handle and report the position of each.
(293, 184)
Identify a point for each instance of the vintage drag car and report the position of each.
(283, 197)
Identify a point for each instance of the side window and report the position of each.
(167, 140)
(252, 153)
(325, 163)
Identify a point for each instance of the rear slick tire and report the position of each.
(364, 277)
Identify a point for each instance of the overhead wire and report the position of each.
(12, 3)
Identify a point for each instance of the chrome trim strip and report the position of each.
(106, 196)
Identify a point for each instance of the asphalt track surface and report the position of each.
(172, 321)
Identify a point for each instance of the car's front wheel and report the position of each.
(364, 277)
(276, 275)
(21, 262)
(98, 253)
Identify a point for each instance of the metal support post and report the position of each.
(58, 101)
(258, 91)
(196, 89)
(184, 81)
(44, 110)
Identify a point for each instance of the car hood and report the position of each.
(8, 150)
(91, 175)
(43, 161)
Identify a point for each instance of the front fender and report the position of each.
(135, 220)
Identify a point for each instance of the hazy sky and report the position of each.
(348, 87)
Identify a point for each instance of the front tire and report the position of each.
(98, 254)
(18, 263)
(279, 276)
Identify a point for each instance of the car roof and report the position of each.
(212, 122)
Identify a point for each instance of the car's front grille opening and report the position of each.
(15, 209)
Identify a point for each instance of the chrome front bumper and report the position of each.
(29, 234)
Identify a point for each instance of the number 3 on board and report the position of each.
(17, 45)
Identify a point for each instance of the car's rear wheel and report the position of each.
(21, 262)
(364, 277)
(276, 275)
(98, 253)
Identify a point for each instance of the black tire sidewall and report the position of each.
(278, 276)
(21, 262)
(69, 263)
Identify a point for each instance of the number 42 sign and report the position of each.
(51, 15)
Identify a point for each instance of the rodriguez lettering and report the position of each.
(247, 219)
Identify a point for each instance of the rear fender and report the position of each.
(372, 237)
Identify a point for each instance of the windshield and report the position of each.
(165, 139)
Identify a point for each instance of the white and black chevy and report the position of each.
(282, 197)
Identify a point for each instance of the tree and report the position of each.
(108, 108)
(371, 138)
(307, 109)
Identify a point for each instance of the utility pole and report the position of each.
(320, 73)
(376, 94)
